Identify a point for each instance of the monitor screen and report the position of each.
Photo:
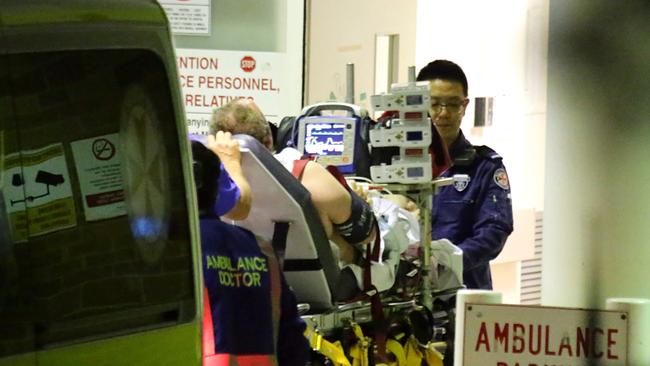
(324, 139)
(413, 135)
(415, 99)
(414, 172)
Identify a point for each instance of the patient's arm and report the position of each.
(333, 203)
(328, 196)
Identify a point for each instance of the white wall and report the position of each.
(598, 157)
(344, 31)
(500, 44)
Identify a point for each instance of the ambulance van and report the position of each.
(98, 236)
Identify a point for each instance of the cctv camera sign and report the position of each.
(98, 164)
(514, 335)
(38, 195)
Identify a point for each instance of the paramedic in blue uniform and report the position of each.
(475, 212)
(253, 311)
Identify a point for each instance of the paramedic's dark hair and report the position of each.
(444, 70)
(207, 167)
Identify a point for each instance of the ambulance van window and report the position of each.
(97, 241)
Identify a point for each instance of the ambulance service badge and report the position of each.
(461, 181)
(501, 178)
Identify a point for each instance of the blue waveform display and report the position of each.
(324, 139)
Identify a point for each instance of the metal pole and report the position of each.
(411, 74)
(425, 241)
(425, 198)
(349, 88)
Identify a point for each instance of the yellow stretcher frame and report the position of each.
(411, 354)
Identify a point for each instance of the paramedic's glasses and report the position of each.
(451, 106)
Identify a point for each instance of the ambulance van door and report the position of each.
(16, 310)
(106, 245)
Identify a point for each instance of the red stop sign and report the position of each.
(247, 63)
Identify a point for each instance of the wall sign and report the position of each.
(211, 78)
(188, 17)
(513, 335)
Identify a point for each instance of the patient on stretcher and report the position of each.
(345, 218)
(396, 222)
(400, 240)
(398, 229)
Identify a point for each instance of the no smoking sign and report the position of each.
(103, 149)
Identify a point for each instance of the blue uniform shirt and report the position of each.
(475, 212)
(254, 312)
(228, 193)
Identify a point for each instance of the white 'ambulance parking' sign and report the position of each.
(514, 335)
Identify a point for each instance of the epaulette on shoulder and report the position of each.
(487, 153)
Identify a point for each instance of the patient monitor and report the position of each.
(330, 139)
(332, 133)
